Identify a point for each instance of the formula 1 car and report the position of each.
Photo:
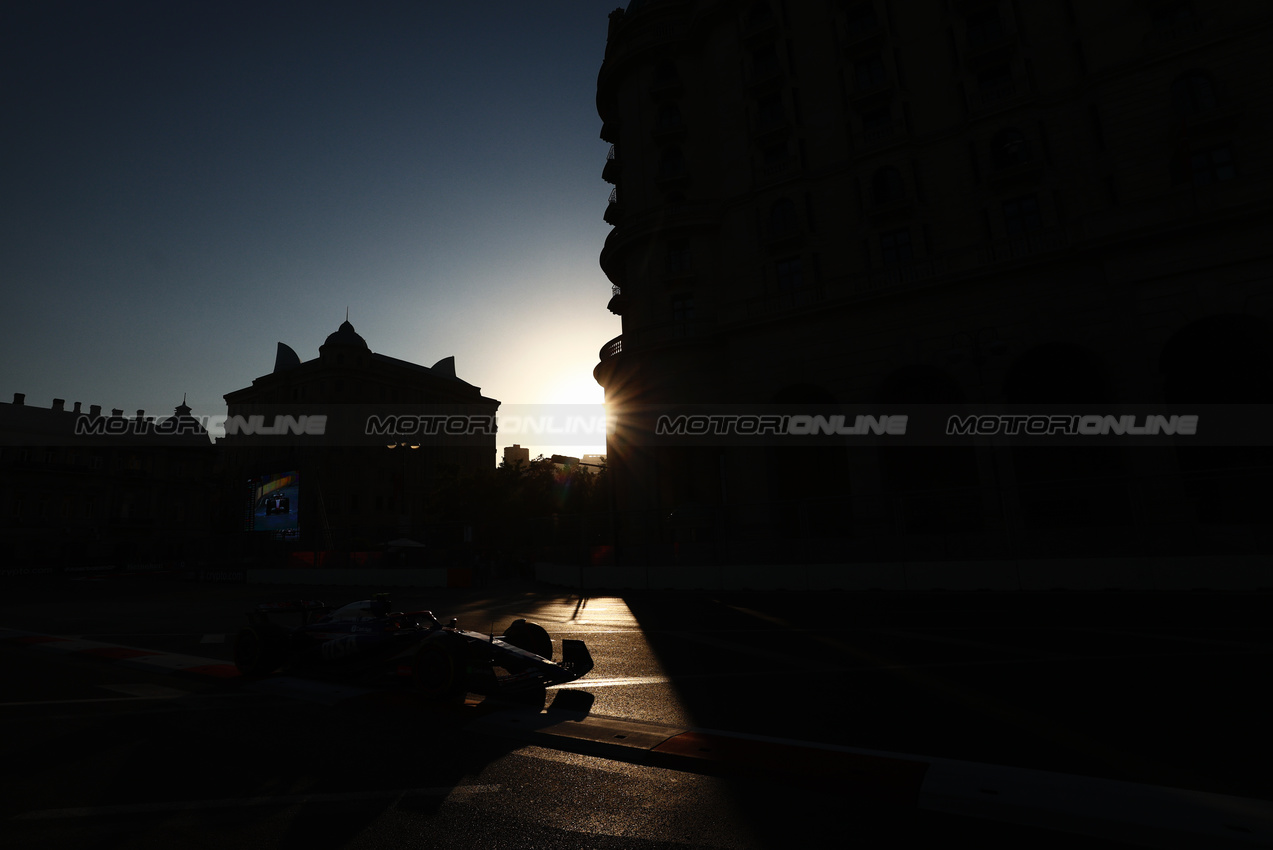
(368, 637)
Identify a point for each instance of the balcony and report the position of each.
(610, 173)
(611, 215)
(772, 305)
(880, 136)
(1173, 32)
(670, 126)
(1043, 244)
(613, 348)
(903, 274)
(775, 168)
(607, 358)
(616, 300)
(999, 92)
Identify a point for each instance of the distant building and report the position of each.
(360, 487)
(516, 454)
(941, 202)
(79, 488)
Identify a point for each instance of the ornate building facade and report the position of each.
(359, 488)
(948, 202)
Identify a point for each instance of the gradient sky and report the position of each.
(186, 184)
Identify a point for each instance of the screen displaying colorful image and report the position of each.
(274, 504)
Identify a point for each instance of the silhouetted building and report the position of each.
(79, 488)
(358, 487)
(516, 454)
(945, 202)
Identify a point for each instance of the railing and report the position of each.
(900, 274)
(772, 303)
(778, 166)
(610, 171)
(611, 348)
(883, 134)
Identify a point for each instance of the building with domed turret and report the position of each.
(360, 485)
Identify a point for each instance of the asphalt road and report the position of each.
(1159, 689)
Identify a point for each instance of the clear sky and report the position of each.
(186, 184)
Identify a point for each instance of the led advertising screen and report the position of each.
(274, 504)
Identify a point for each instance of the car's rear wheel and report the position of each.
(530, 637)
(441, 667)
(259, 650)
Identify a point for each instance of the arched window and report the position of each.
(1009, 147)
(782, 217)
(672, 163)
(771, 111)
(887, 186)
(1193, 93)
(760, 13)
(669, 118)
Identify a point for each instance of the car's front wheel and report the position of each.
(529, 636)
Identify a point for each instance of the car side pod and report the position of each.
(575, 658)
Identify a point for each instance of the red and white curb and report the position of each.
(1123, 811)
(1151, 815)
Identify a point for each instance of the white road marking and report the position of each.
(617, 681)
(283, 800)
